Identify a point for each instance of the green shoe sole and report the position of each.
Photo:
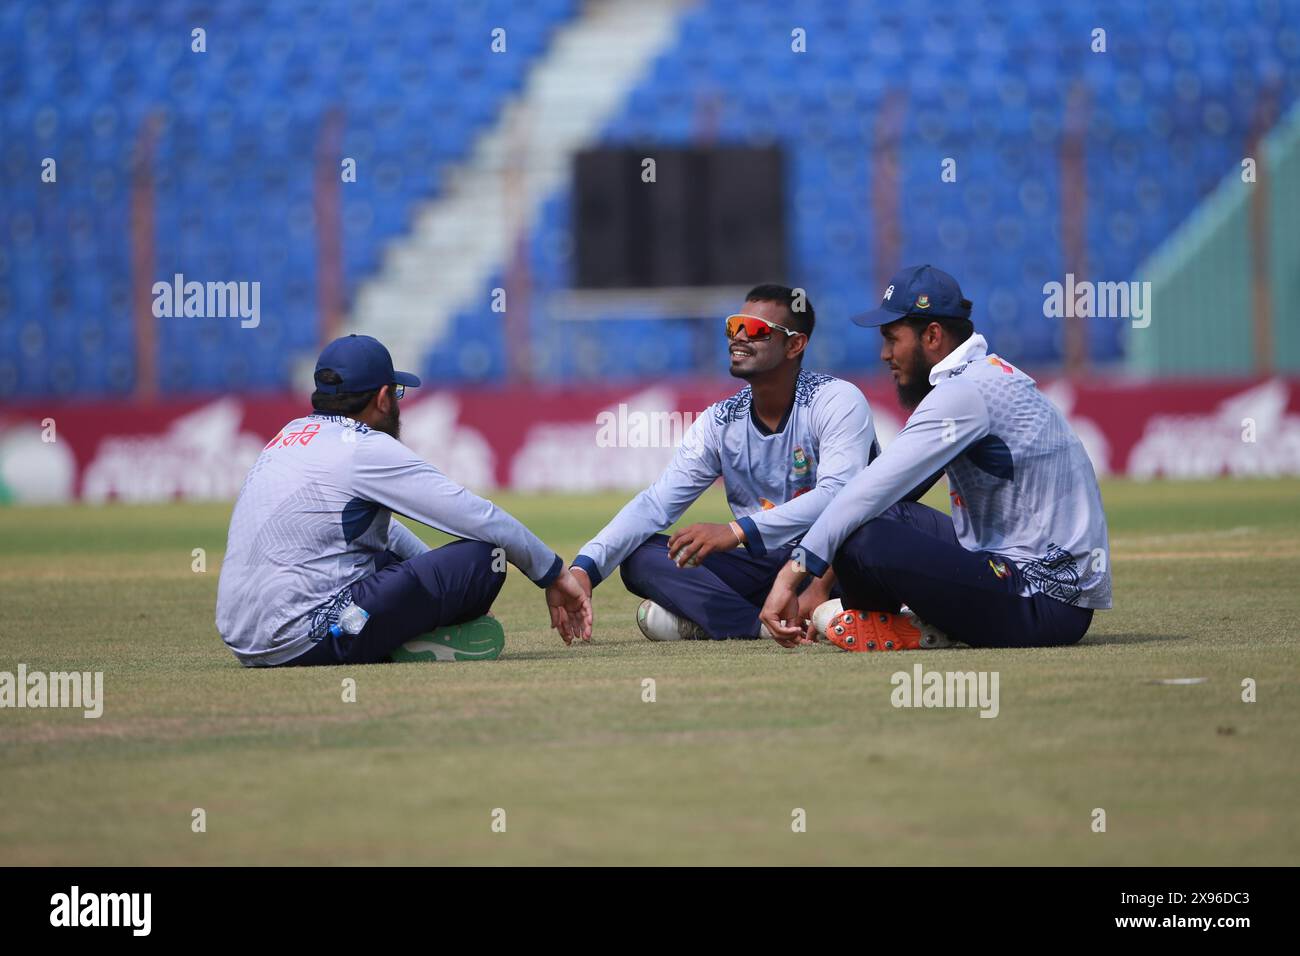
(481, 639)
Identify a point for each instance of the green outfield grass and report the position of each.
(741, 733)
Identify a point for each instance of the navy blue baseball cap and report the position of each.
(362, 363)
(921, 291)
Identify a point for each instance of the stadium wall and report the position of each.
(598, 439)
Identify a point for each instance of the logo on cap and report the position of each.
(923, 302)
(889, 293)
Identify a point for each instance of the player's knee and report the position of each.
(635, 569)
(858, 547)
(631, 575)
(485, 558)
(486, 564)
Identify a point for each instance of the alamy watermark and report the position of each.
(923, 688)
(1102, 300)
(75, 689)
(632, 428)
(208, 300)
(75, 908)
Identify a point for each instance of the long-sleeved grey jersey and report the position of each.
(777, 483)
(1022, 485)
(313, 514)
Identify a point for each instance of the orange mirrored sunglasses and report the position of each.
(756, 329)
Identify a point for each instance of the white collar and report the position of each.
(973, 349)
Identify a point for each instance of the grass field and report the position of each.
(742, 733)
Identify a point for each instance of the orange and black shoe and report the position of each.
(873, 631)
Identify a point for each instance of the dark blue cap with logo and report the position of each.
(920, 291)
(362, 363)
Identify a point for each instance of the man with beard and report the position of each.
(312, 539)
(1024, 559)
(783, 446)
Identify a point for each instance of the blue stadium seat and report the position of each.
(233, 166)
(1170, 105)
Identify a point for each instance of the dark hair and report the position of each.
(338, 403)
(958, 329)
(802, 319)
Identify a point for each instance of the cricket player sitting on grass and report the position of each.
(1024, 559)
(783, 445)
(317, 571)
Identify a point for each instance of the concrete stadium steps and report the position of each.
(461, 239)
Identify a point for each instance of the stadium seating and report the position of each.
(234, 164)
(1169, 106)
(1168, 109)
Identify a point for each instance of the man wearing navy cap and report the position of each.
(1023, 561)
(312, 539)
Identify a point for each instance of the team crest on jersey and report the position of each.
(801, 466)
(1000, 570)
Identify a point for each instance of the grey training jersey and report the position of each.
(777, 483)
(313, 514)
(1021, 484)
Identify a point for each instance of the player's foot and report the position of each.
(478, 640)
(931, 637)
(822, 614)
(873, 631)
(660, 624)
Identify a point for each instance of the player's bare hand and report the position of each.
(583, 580)
(781, 609)
(692, 544)
(817, 593)
(570, 608)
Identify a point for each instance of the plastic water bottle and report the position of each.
(351, 620)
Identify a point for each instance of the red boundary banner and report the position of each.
(592, 439)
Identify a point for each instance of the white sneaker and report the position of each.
(660, 624)
(931, 637)
(823, 613)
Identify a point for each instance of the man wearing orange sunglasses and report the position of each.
(783, 446)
